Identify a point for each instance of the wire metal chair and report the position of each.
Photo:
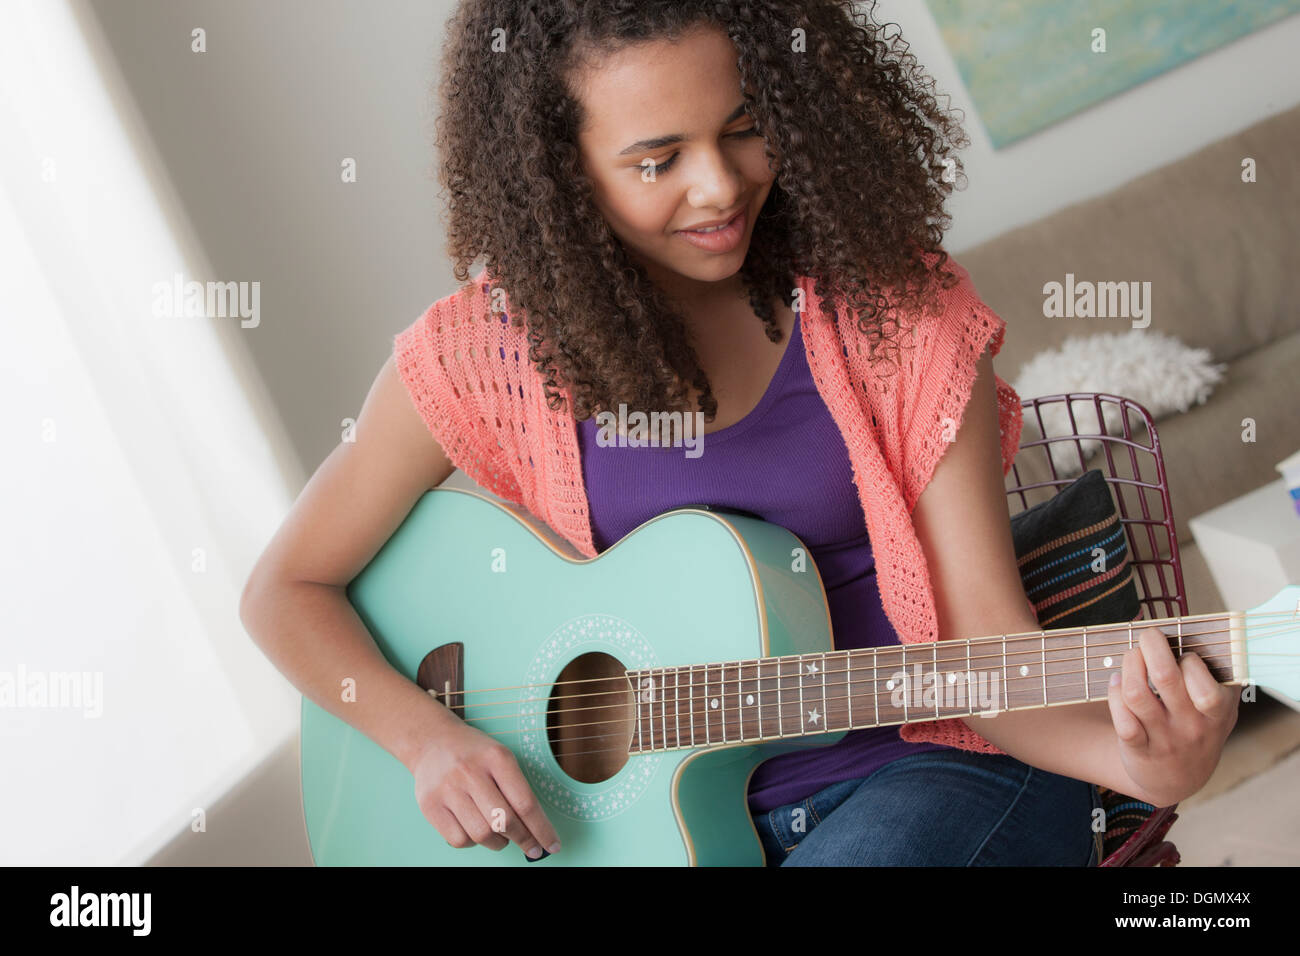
(1063, 436)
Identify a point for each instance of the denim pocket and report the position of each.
(774, 838)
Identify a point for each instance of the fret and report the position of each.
(653, 698)
(723, 716)
(663, 704)
(740, 696)
(1180, 639)
(937, 686)
(1087, 688)
(690, 677)
(903, 655)
(801, 691)
(780, 708)
(708, 736)
(1043, 639)
(971, 708)
(848, 684)
(722, 699)
(740, 700)
(640, 739)
(676, 706)
(826, 711)
(663, 689)
(648, 692)
(752, 701)
(1006, 691)
(875, 681)
(718, 705)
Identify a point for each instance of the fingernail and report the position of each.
(555, 847)
(1114, 679)
(533, 852)
(541, 856)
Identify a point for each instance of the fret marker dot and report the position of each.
(749, 698)
(1024, 669)
(889, 684)
(714, 703)
(952, 677)
(1106, 661)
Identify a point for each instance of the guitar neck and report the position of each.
(797, 696)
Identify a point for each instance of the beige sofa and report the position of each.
(1223, 260)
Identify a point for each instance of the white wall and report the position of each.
(1118, 139)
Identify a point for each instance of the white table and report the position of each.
(1252, 545)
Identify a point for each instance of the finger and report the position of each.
(515, 788)
(1138, 697)
(447, 826)
(476, 825)
(1207, 694)
(1165, 674)
(1127, 727)
(504, 820)
(521, 799)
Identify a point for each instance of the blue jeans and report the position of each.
(939, 808)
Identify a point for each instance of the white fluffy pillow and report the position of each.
(1153, 369)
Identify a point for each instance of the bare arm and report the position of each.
(295, 607)
(962, 522)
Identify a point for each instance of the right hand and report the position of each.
(471, 789)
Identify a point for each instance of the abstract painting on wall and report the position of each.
(1030, 63)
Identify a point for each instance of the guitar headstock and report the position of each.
(1273, 642)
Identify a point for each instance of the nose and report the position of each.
(718, 183)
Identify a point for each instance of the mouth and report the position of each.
(721, 238)
(707, 230)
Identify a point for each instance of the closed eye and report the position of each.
(672, 160)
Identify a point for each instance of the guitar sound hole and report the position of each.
(589, 719)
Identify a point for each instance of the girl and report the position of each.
(739, 215)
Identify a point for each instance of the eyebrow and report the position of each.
(645, 145)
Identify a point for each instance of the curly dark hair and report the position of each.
(857, 201)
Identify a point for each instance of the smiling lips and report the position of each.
(716, 224)
(722, 238)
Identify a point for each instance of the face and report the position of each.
(668, 146)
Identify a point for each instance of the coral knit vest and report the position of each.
(467, 371)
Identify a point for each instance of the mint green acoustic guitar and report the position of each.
(639, 690)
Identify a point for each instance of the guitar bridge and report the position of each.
(442, 674)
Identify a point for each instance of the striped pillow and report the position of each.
(1059, 545)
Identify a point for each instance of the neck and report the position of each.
(778, 697)
(698, 296)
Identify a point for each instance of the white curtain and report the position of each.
(143, 471)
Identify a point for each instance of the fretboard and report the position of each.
(775, 697)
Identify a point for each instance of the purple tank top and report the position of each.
(786, 462)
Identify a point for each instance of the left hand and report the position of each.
(1169, 744)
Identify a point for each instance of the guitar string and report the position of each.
(898, 651)
(657, 746)
(996, 640)
(869, 698)
(784, 705)
(727, 724)
(622, 686)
